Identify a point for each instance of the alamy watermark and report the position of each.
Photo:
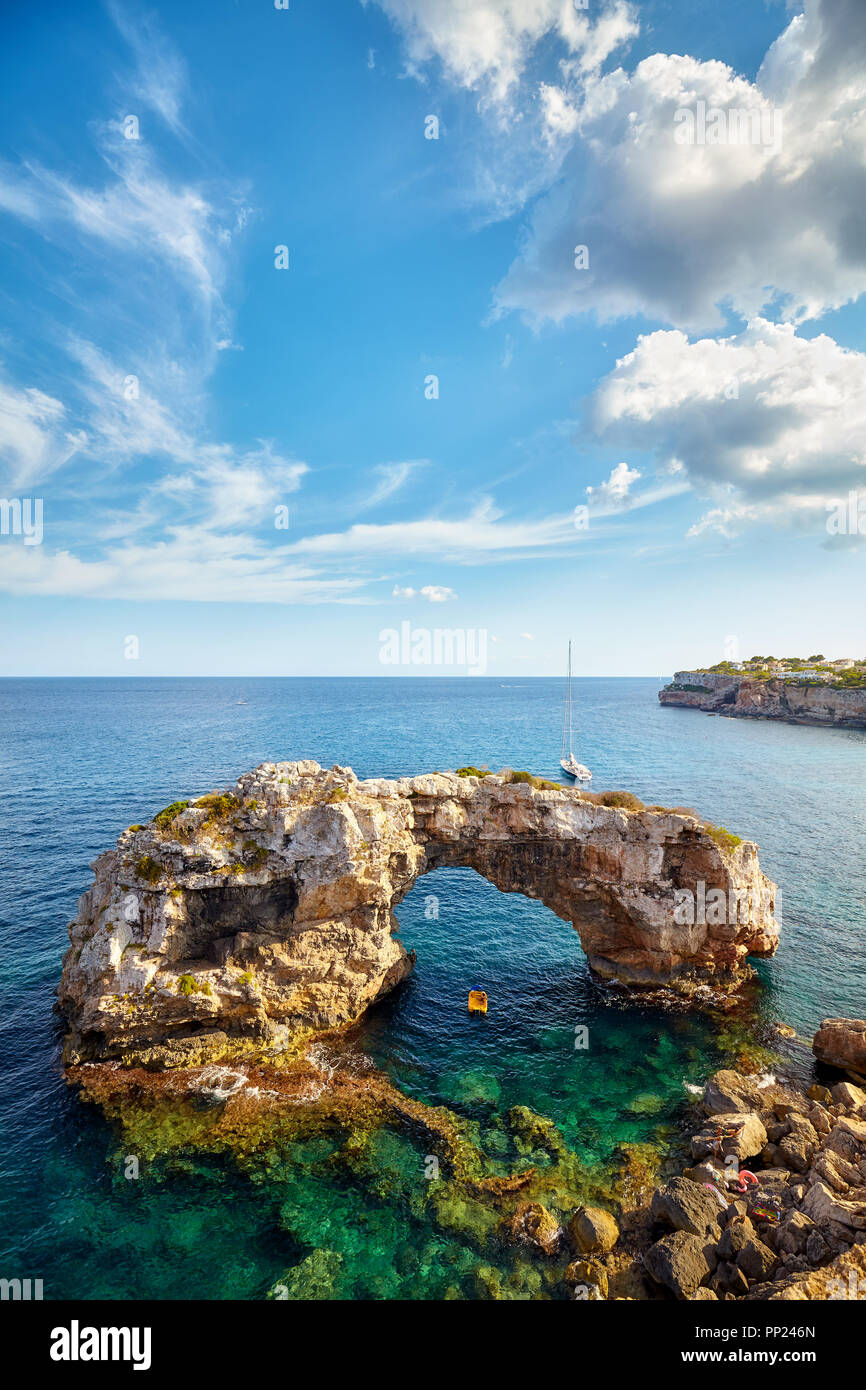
(713, 907)
(727, 125)
(441, 646)
(22, 516)
(847, 516)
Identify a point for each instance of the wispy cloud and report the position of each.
(34, 437)
(391, 478)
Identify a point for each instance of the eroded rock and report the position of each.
(269, 908)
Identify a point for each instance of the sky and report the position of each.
(522, 319)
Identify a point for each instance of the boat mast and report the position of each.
(566, 718)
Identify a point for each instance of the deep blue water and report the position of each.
(81, 759)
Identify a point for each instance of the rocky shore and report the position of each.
(788, 700)
(773, 1205)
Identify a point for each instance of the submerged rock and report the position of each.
(533, 1225)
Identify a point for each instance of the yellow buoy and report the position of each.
(477, 1001)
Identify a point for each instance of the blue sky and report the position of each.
(698, 388)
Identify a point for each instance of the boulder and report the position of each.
(756, 1260)
(679, 1262)
(735, 1237)
(728, 1279)
(791, 1236)
(727, 1093)
(850, 1097)
(824, 1205)
(746, 1136)
(687, 1206)
(593, 1230)
(589, 1276)
(841, 1042)
(533, 1225)
(795, 1152)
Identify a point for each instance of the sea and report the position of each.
(80, 759)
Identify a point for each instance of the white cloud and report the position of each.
(673, 230)
(770, 424)
(33, 438)
(483, 531)
(487, 44)
(160, 79)
(528, 636)
(615, 491)
(437, 593)
(192, 565)
(432, 593)
(391, 478)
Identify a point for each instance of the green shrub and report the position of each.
(255, 853)
(725, 839)
(473, 772)
(219, 805)
(622, 801)
(148, 869)
(337, 794)
(188, 984)
(165, 817)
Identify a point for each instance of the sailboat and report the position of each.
(568, 762)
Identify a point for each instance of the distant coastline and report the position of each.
(798, 691)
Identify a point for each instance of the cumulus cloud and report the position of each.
(615, 491)
(488, 43)
(677, 230)
(432, 593)
(770, 424)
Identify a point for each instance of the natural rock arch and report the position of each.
(270, 908)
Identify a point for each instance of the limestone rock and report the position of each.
(756, 1260)
(742, 696)
(728, 1093)
(679, 1262)
(533, 1225)
(841, 1042)
(268, 909)
(746, 1139)
(588, 1274)
(593, 1230)
(687, 1206)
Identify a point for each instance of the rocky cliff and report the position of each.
(268, 909)
(776, 699)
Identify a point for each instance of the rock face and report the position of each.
(269, 909)
(794, 1225)
(841, 1042)
(717, 693)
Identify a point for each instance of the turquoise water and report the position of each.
(82, 759)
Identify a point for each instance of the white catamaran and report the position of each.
(568, 762)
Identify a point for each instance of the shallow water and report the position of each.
(83, 759)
